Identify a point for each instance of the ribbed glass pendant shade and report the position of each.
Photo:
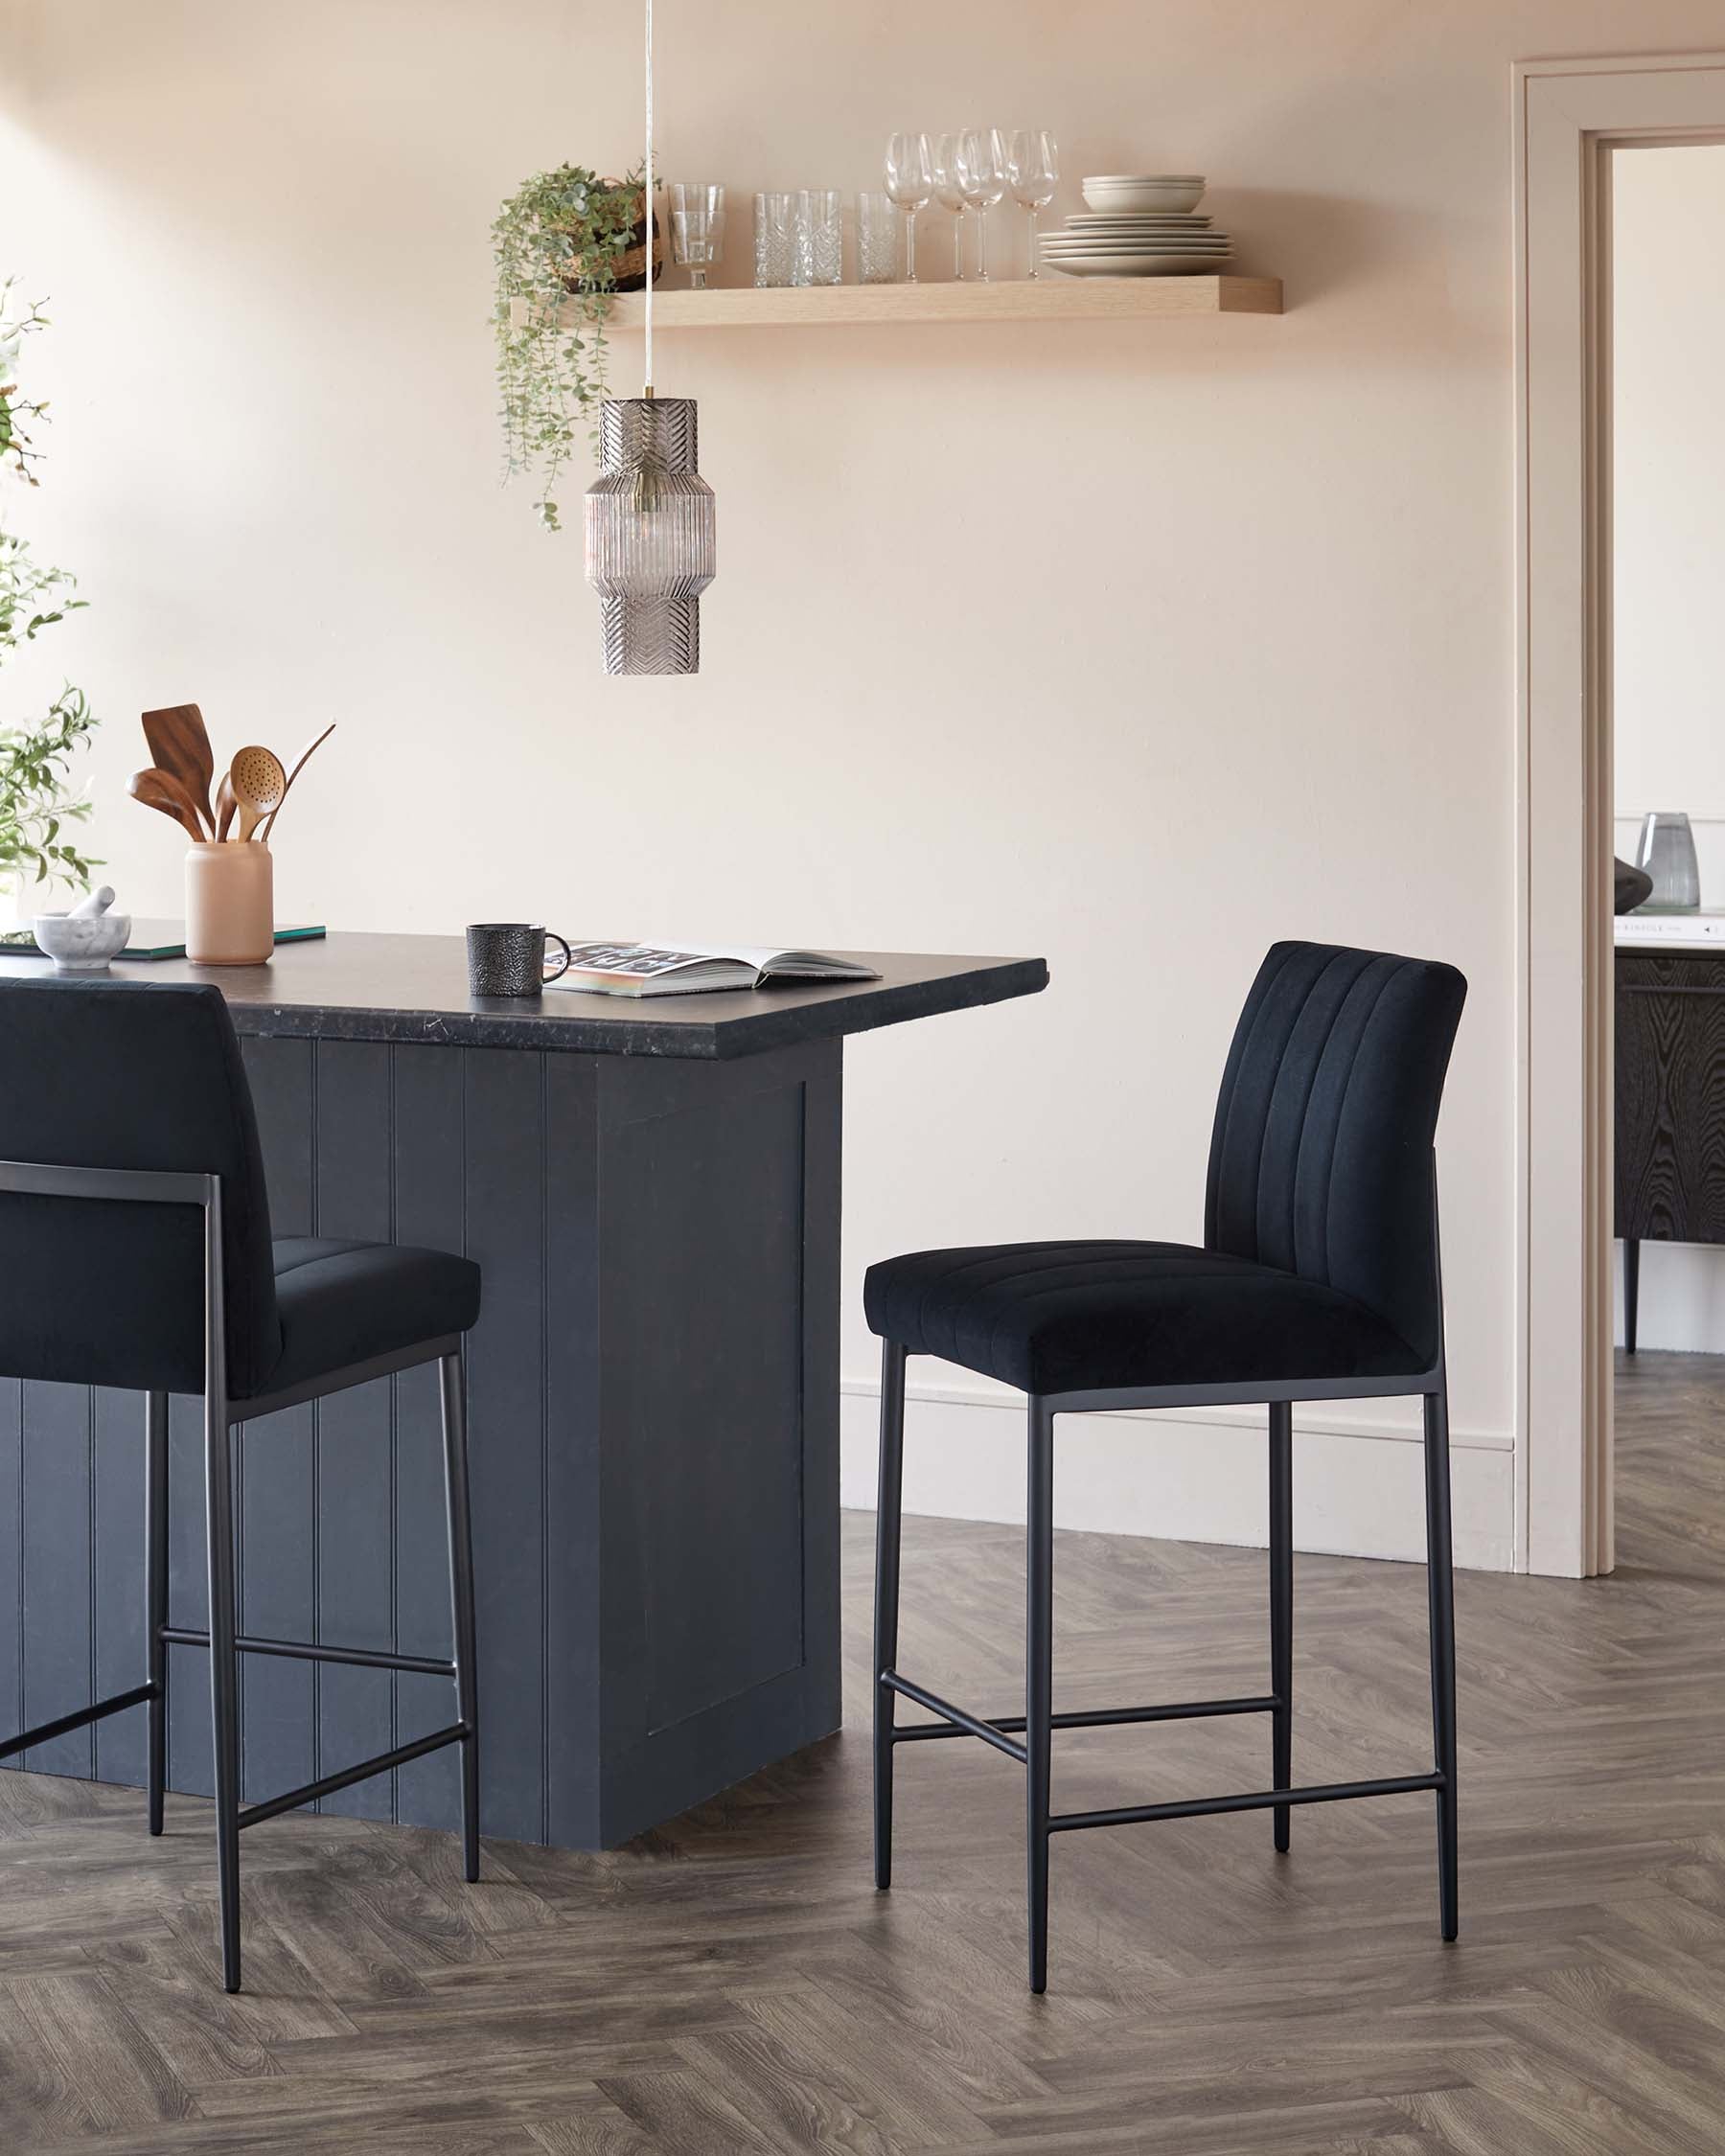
(650, 535)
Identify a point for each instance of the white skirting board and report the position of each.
(1199, 1476)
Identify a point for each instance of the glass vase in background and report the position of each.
(877, 239)
(697, 228)
(1666, 851)
(817, 239)
(774, 217)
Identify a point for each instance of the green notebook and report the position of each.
(156, 939)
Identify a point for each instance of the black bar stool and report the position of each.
(1318, 1279)
(131, 1099)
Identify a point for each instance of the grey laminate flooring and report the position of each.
(734, 1983)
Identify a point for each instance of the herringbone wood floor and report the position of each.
(737, 1984)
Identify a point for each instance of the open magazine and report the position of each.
(688, 969)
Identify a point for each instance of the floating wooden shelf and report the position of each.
(1038, 299)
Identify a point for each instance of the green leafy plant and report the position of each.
(557, 241)
(38, 802)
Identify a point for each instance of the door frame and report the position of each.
(1569, 116)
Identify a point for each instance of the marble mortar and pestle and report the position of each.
(83, 940)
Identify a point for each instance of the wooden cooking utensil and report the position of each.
(299, 766)
(225, 805)
(161, 790)
(259, 783)
(181, 748)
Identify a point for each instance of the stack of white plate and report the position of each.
(1138, 224)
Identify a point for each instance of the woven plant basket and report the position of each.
(632, 263)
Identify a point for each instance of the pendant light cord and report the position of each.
(649, 197)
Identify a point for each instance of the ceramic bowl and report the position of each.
(1144, 191)
(81, 946)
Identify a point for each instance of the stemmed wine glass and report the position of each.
(1033, 174)
(981, 167)
(951, 196)
(909, 182)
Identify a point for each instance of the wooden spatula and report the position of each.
(299, 766)
(181, 748)
(161, 790)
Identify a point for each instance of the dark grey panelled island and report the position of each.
(652, 1192)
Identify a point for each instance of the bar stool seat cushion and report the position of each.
(342, 1303)
(1087, 1316)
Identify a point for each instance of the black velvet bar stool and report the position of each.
(136, 1251)
(1318, 1279)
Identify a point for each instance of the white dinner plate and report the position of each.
(1136, 265)
(1062, 254)
(1107, 217)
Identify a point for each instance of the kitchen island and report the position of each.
(652, 1189)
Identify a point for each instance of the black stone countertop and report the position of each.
(414, 988)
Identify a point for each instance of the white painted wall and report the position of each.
(1137, 646)
(1668, 575)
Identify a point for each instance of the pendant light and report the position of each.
(650, 523)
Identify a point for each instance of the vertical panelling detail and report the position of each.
(354, 1605)
(278, 1596)
(505, 1160)
(572, 1514)
(12, 1560)
(118, 1580)
(58, 1633)
(429, 1178)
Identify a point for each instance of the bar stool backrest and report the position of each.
(1321, 1160)
(129, 1075)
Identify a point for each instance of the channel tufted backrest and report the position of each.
(96, 1291)
(1321, 1160)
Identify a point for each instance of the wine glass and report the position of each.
(950, 196)
(981, 166)
(909, 182)
(1033, 174)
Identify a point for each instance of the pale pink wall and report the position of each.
(1135, 644)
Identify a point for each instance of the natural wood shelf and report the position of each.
(1038, 299)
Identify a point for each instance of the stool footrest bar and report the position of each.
(963, 1724)
(254, 1814)
(358, 1657)
(1102, 1717)
(1257, 1800)
(65, 1724)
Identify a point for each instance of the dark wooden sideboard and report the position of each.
(1670, 1105)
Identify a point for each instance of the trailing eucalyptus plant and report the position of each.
(37, 801)
(560, 238)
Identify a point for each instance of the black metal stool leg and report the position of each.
(1441, 1589)
(155, 1594)
(224, 1676)
(1631, 1292)
(461, 1601)
(1039, 1678)
(887, 1516)
(1281, 1609)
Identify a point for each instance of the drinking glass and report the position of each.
(697, 228)
(951, 196)
(877, 239)
(909, 182)
(817, 245)
(981, 166)
(1033, 174)
(775, 216)
(1668, 853)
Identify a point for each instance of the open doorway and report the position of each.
(1667, 668)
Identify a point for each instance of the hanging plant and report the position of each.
(38, 803)
(564, 235)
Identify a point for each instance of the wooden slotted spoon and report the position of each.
(257, 783)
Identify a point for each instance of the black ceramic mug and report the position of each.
(508, 957)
